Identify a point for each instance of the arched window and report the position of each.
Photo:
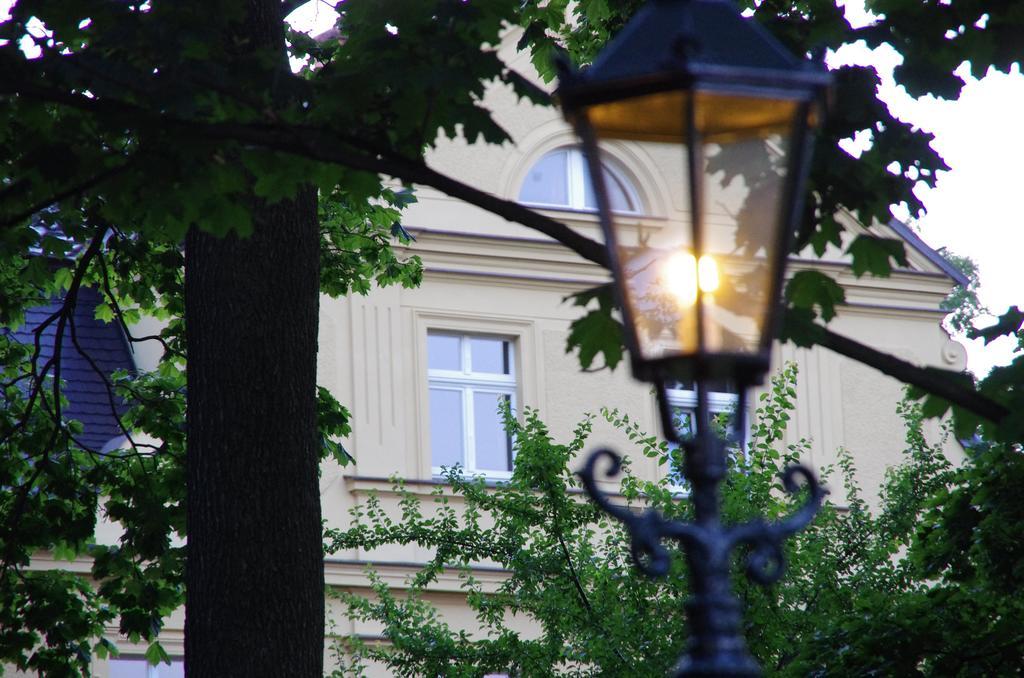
(561, 179)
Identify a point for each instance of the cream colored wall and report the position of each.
(373, 354)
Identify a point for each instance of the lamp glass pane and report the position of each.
(744, 182)
(720, 116)
(742, 155)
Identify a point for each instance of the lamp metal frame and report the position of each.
(716, 645)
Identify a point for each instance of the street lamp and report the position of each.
(712, 94)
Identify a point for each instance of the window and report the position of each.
(140, 668)
(468, 375)
(561, 179)
(682, 399)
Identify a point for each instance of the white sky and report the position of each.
(975, 208)
(315, 16)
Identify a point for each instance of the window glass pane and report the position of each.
(493, 447)
(128, 668)
(489, 355)
(589, 197)
(444, 352)
(548, 181)
(618, 194)
(175, 670)
(683, 420)
(446, 427)
(140, 668)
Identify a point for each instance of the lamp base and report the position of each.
(717, 647)
(736, 664)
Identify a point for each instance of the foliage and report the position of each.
(356, 238)
(133, 122)
(57, 488)
(1004, 384)
(116, 139)
(568, 571)
(959, 612)
(962, 303)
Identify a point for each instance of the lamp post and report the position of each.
(697, 84)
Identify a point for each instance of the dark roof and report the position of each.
(914, 240)
(85, 390)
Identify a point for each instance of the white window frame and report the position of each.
(469, 383)
(576, 188)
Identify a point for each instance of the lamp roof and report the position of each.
(669, 42)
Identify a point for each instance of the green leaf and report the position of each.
(155, 654)
(872, 254)
(965, 423)
(603, 294)
(810, 289)
(65, 551)
(104, 649)
(596, 333)
(828, 232)
(62, 278)
(934, 407)
(104, 312)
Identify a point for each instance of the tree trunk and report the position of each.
(254, 574)
(254, 571)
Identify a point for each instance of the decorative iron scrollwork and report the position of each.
(766, 561)
(647, 530)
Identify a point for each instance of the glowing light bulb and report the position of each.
(679, 275)
(707, 273)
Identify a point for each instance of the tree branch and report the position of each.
(116, 306)
(327, 146)
(331, 147)
(931, 380)
(111, 397)
(321, 145)
(586, 601)
(62, 315)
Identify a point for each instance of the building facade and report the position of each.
(422, 368)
